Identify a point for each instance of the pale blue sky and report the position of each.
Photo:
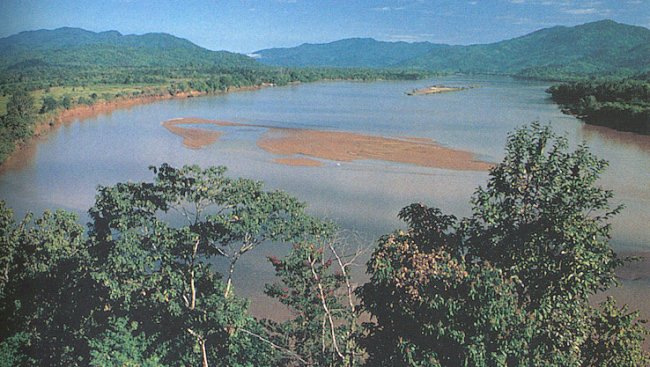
(249, 25)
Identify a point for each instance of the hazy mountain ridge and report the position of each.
(601, 46)
(75, 46)
(592, 48)
(351, 52)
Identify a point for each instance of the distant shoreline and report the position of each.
(53, 121)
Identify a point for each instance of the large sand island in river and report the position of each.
(306, 147)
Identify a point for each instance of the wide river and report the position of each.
(63, 169)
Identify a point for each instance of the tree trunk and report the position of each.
(192, 285)
(204, 353)
(231, 270)
(193, 288)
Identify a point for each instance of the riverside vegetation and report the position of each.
(622, 104)
(509, 285)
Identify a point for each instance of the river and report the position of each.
(63, 169)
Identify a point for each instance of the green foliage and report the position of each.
(616, 338)
(17, 123)
(44, 289)
(433, 307)
(119, 347)
(11, 353)
(622, 104)
(142, 289)
(155, 270)
(509, 285)
(323, 328)
(49, 104)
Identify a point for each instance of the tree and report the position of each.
(433, 307)
(119, 347)
(17, 123)
(44, 290)
(543, 219)
(66, 102)
(157, 269)
(21, 105)
(315, 284)
(509, 285)
(49, 104)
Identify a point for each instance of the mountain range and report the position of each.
(602, 46)
(79, 47)
(592, 48)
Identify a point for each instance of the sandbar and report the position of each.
(298, 146)
(435, 89)
(195, 138)
(346, 147)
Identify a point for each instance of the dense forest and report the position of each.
(509, 285)
(622, 104)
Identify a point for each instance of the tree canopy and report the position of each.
(509, 285)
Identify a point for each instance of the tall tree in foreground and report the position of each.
(156, 244)
(509, 285)
(45, 289)
(316, 286)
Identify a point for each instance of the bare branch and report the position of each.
(283, 349)
(325, 307)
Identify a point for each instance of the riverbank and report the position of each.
(46, 123)
(103, 107)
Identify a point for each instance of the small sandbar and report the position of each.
(195, 138)
(303, 162)
(346, 147)
(435, 89)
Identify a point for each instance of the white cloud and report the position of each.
(409, 37)
(580, 11)
(388, 8)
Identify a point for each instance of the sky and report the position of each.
(249, 25)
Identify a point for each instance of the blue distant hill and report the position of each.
(75, 46)
(598, 47)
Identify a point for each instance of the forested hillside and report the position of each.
(603, 47)
(77, 47)
(353, 52)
